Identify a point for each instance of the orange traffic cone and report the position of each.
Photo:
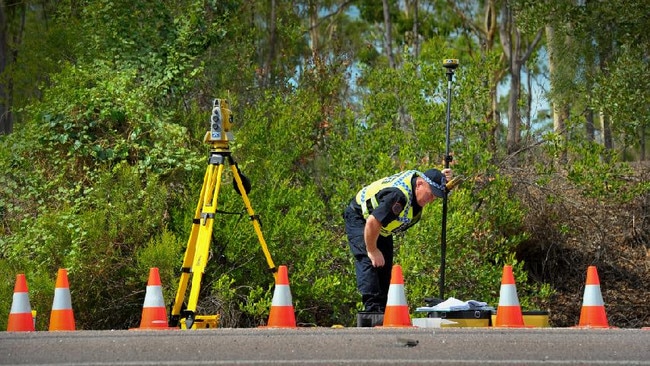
(397, 311)
(282, 314)
(20, 316)
(154, 314)
(593, 313)
(508, 312)
(62, 317)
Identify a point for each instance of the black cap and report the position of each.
(437, 181)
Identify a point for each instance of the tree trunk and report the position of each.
(492, 118)
(269, 63)
(560, 109)
(416, 35)
(607, 131)
(8, 56)
(558, 122)
(5, 115)
(509, 34)
(513, 138)
(642, 139)
(590, 125)
(313, 29)
(590, 66)
(529, 107)
(590, 129)
(388, 38)
(604, 118)
(511, 42)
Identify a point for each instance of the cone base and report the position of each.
(593, 317)
(396, 326)
(509, 317)
(397, 316)
(62, 320)
(154, 318)
(21, 322)
(281, 317)
(157, 325)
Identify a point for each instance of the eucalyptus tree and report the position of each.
(480, 19)
(595, 56)
(5, 89)
(29, 50)
(517, 47)
(620, 93)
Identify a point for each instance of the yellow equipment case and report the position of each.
(464, 318)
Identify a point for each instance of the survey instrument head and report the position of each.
(450, 63)
(220, 121)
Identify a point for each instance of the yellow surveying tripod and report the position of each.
(198, 245)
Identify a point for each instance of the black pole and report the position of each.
(450, 65)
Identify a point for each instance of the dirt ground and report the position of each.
(569, 233)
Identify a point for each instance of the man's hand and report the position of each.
(448, 174)
(376, 258)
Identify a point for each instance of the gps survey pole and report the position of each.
(450, 65)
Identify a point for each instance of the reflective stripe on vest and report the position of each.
(367, 199)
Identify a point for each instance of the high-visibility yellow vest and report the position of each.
(366, 198)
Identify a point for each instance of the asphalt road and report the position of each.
(327, 346)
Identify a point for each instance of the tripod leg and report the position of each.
(251, 214)
(204, 239)
(188, 258)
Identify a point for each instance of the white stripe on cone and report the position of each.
(154, 297)
(62, 299)
(396, 295)
(281, 296)
(592, 296)
(20, 303)
(508, 296)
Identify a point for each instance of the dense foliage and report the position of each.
(102, 171)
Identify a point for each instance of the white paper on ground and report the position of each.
(431, 322)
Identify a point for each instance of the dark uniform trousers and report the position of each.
(372, 282)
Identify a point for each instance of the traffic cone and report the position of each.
(20, 316)
(282, 314)
(508, 312)
(154, 313)
(62, 317)
(592, 314)
(397, 311)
